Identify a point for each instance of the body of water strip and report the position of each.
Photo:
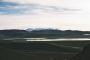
(68, 39)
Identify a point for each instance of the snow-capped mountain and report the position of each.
(37, 29)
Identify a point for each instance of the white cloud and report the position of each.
(62, 14)
(18, 1)
(36, 1)
(18, 8)
(76, 4)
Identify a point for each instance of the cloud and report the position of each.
(10, 8)
(17, 8)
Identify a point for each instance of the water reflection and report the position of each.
(44, 39)
(61, 39)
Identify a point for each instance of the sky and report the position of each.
(60, 14)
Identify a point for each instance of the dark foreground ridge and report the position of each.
(34, 51)
(84, 55)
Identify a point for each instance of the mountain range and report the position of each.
(43, 33)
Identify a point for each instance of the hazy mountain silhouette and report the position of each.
(44, 33)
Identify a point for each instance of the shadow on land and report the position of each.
(45, 51)
(84, 55)
(35, 51)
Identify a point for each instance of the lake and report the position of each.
(44, 39)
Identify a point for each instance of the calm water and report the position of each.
(44, 39)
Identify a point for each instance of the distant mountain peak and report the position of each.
(36, 29)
